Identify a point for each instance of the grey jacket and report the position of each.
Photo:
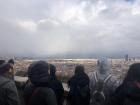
(8, 92)
(109, 88)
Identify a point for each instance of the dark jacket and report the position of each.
(38, 92)
(8, 92)
(78, 81)
(57, 87)
(39, 96)
(126, 94)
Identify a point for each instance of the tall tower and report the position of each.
(126, 57)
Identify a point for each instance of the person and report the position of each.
(2, 62)
(79, 93)
(128, 93)
(8, 90)
(102, 83)
(37, 92)
(12, 71)
(56, 85)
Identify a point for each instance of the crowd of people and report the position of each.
(97, 88)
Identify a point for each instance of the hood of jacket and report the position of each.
(38, 73)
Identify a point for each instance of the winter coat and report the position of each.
(126, 94)
(39, 96)
(57, 87)
(74, 96)
(38, 92)
(8, 92)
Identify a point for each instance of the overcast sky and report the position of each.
(69, 28)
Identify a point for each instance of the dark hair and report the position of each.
(52, 69)
(79, 69)
(5, 68)
(2, 62)
(11, 61)
(133, 73)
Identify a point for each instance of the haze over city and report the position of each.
(69, 28)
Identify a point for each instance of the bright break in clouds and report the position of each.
(69, 28)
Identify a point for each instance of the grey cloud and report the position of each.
(69, 28)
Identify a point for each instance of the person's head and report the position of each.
(38, 73)
(133, 73)
(11, 61)
(79, 69)
(52, 70)
(103, 66)
(2, 62)
(5, 68)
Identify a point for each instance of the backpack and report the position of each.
(98, 95)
